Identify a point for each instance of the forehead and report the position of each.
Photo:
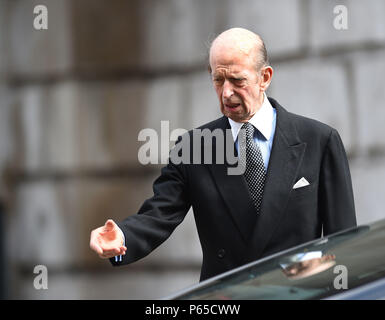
(233, 66)
(231, 59)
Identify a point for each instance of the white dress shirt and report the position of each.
(264, 120)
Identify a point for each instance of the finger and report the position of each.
(111, 252)
(97, 249)
(94, 245)
(123, 250)
(107, 255)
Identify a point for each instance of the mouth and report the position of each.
(232, 106)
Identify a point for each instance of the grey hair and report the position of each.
(264, 58)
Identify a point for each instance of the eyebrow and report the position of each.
(234, 75)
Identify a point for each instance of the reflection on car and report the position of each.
(346, 265)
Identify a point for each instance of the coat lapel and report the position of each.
(285, 160)
(234, 191)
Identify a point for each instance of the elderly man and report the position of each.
(295, 187)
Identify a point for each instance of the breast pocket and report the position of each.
(303, 191)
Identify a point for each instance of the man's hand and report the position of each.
(107, 241)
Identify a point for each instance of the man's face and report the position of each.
(236, 82)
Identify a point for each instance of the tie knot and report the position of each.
(249, 129)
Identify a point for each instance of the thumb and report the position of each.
(109, 225)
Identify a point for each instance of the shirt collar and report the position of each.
(262, 120)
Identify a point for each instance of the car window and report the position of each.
(320, 269)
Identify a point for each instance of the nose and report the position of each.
(227, 90)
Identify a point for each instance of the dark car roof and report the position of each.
(319, 269)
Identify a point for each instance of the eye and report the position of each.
(238, 81)
(218, 80)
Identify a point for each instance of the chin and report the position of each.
(236, 118)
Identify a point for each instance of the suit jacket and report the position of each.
(230, 232)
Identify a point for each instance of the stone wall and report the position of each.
(73, 99)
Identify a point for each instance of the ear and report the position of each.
(266, 76)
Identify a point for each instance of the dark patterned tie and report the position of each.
(255, 173)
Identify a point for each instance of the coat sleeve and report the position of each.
(157, 217)
(336, 200)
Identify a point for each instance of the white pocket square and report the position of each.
(301, 183)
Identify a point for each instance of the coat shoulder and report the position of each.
(306, 129)
(221, 123)
(307, 125)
